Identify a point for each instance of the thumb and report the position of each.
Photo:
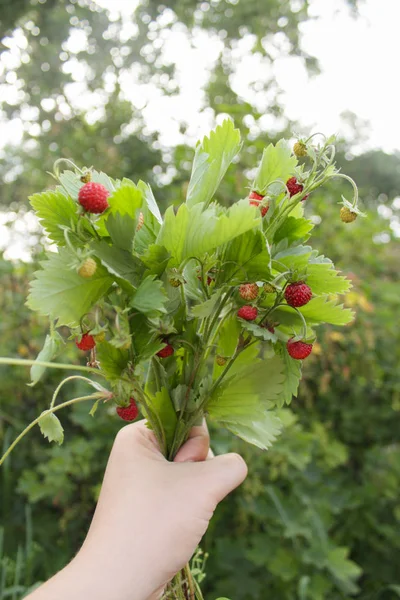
(221, 475)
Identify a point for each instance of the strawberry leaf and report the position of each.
(51, 427)
(52, 346)
(60, 293)
(277, 162)
(322, 310)
(293, 230)
(120, 263)
(292, 371)
(324, 279)
(162, 404)
(121, 230)
(55, 211)
(150, 298)
(194, 232)
(112, 360)
(212, 159)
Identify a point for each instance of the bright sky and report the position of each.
(358, 60)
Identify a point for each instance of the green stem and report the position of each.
(23, 362)
(58, 388)
(36, 421)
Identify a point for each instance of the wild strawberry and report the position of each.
(87, 268)
(220, 360)
(93, 197)
(166, 351)
(248, 313)
(140, 222)
(128, 413)
(87, 342)
(300, 149)
(256, 200)
(347, 215)
(298, 294)
(255, 196)
(269, 288)
(294, 186)
(248, 291)
(175, 282)
(299, 350)
(86, 177)
(209, 279)
(100, 337)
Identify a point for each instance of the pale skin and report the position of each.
(150, 517)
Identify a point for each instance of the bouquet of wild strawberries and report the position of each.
(205, 312)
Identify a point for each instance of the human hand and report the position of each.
(150, 517)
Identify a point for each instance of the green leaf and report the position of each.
(324, 279)
(212, 159)
(151, 220)
(54, 210)
(260, 428)
(322, 310)
(150, 298)
(122, 230)
(277, 162)
(113, 361)
(52, 346)
(162, 404)
(125, 200)
(292, 230)
(292, 371)
(259, 332)
(62, 294)
(206, 308)
(150, 200)
(145, 342)
(156, 259)
(295, 258)
(259, 381)
(344, 570)
(120, 263)
(246, 258)
(194, 232)
(51, 427)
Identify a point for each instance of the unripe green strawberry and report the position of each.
(220, 360)
(346, 215)
(269, 288)
(87, 268)
(100, 337)
(140, 222)
(300, 149)
(175, 282)
(86, 177)
(248, 291)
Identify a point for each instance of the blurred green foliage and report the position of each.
(319, 516)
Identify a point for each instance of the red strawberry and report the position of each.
(255, 196)
(93, 197)
(264, 209)
(128, 413)
(248, 313)
(305, 198)
(87, 342)
(294, 186)
(248, 291)
(166, 351)
(298, 294)
(299, 350)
